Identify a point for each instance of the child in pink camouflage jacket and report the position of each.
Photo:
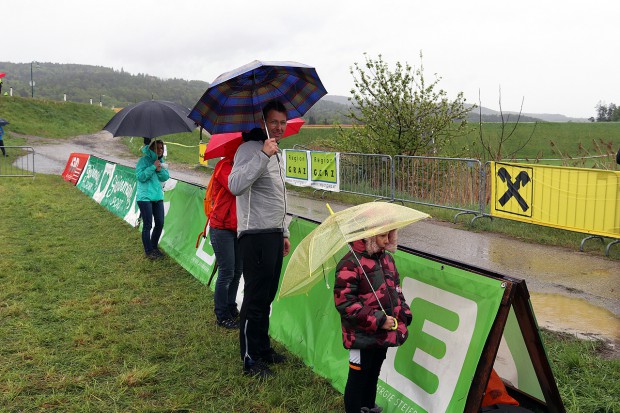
(367, 331)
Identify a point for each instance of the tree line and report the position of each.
(607, 113)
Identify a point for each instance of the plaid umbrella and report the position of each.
(234, 101)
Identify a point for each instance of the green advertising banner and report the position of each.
(297, 167)
(325, 170)
(120, 195)
(319, 170)
(433, 371)
(184, 220)
(91, 176)
(114, 187)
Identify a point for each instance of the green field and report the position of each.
(554, 141)
(87, 324)
(52, 119)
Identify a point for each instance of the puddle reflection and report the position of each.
(575, 315)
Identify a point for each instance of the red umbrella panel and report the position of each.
(2, 74)
(226, 144)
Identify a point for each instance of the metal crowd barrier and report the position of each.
(18, 162)
(453, 183)
(366, 174)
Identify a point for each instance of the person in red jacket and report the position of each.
(373, 313)
(223, 235)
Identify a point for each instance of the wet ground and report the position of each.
(571, 291)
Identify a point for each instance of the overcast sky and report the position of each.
(559, 56)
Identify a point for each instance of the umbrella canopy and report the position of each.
(224, 144)
(3, 122)
(234, 101)
(319, 252)
(2, 74)
(150, 119)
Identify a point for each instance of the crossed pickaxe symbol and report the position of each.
(513, 188)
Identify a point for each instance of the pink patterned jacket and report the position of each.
(360, 313)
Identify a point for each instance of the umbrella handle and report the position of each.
(330, 209)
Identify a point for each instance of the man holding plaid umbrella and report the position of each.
(257, 179)
(259, 96)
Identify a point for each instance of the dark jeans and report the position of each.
(262, 264)
(150, 210)
(361, 388)
(229, 268)
(2, 147)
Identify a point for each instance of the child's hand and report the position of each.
(389, 324)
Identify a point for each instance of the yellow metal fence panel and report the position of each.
(576, 199)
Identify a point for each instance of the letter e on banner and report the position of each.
(427, 367)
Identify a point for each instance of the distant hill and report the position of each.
(341, 103)
(117, 88)
(490, 115)
(81, 83)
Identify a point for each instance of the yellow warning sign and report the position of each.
(513, 189)
(576, 199)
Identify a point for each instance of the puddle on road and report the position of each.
(575, 315)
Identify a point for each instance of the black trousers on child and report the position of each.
(262, 264)
(361, 388)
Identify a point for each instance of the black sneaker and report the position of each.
(256, 368)
(229, 323)
(157, 252)
(272, 357)
(151, 255)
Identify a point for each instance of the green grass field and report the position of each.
(87, 324)
(555, 141)
(52, 119)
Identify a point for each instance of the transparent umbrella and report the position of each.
(319, 252)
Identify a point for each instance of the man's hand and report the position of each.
(270, 147)
(287, 247)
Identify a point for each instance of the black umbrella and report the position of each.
(150, 119)
(3, 122)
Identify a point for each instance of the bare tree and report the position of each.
(494, 149)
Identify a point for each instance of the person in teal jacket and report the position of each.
(151, 172)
